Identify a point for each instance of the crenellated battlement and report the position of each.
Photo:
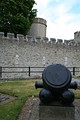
(24, 51)
(45, 40)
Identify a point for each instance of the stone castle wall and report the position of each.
(26, 51)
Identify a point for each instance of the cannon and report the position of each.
(56, 85)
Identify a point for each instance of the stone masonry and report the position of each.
(26, 51)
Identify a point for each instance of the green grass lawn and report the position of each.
(21, 89)
(77, 77)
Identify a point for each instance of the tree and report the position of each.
(16, 16)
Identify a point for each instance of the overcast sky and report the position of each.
(63, 17)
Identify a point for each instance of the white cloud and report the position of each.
(61, 23)
(41, 5)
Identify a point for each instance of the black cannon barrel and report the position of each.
(56, 78)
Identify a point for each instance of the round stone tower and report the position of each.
(77, 37)
(38, 28)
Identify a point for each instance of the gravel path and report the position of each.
(30, 110)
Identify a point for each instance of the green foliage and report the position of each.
(16, 16)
